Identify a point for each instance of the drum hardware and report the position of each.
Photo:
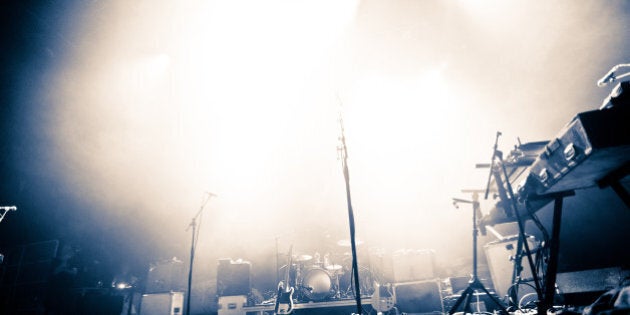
(317, 285)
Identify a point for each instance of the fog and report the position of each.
(151, 105)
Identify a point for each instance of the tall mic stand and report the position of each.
(346, 174)
(474, 283)
(3, 212)
(193, 245)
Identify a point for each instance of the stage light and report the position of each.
(122, 285)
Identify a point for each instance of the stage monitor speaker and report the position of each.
(171, 303)
(584, 286)
(499, 255)
(419, 297)
(233, 277)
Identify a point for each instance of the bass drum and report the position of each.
(317, 285)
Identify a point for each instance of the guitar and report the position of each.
(284, 301)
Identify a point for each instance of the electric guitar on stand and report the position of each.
(284, 301)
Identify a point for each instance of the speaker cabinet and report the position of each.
(232, 305)
(419, 297)
(413, 265)
(499, 255)
(171, 303)
(585, 286)
(233, 277)
(166, 277)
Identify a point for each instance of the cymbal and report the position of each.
(284, 266)
(334, 267)
(346, 243)
(301, 258)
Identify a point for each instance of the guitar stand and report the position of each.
(474, 283)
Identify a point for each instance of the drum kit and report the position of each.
(325, 277)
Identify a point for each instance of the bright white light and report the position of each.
(203, 96)
(122, 286)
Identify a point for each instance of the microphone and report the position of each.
(608, 78)
(9, 208)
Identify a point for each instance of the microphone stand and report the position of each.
(474, 282)
(346, 174)
(494, 153)
(193, 245)
(522, 240)
(4, 210)
(506, 194)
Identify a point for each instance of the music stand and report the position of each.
(474, 283)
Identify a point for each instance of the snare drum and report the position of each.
(317, 284)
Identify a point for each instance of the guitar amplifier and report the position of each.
(499, 255)
(166, 277)
(591, 146)
(171, 303)
(232, 305)
(413, 265)
(233, 277)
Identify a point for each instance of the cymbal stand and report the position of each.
(474, 284)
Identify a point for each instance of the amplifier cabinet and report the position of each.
(233, 277)
(232, 305)
(499, 255)
(166, 277)
(413, 265)
(171, 303)
(419, 297)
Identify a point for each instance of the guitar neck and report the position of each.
(287, 271)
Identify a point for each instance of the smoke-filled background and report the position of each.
(120, 117)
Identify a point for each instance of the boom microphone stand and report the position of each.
(343, 150)
(474, 283)
(193, 246)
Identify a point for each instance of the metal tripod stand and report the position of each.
(474, 283)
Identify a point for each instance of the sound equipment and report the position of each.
(166, 277)
(584, 286)
(413, 265)
(232, 305)
(171, 303)
(500, 256)
(25, 276)
(479, 302)
(593, 149)
(98, 302)
(233, 277)
(418, 297)
(592, 145)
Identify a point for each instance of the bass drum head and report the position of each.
(317, 285)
